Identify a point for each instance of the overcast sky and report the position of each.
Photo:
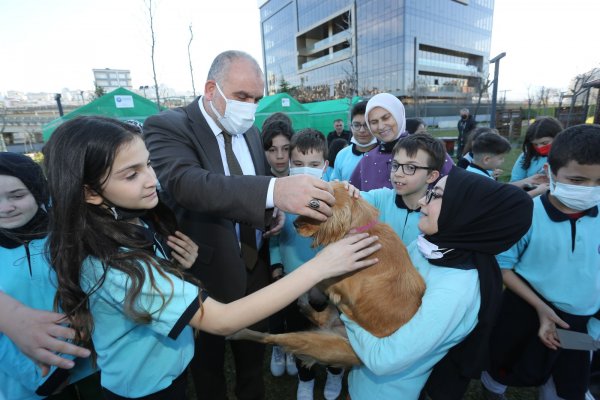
(50, 45)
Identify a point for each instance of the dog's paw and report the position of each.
(335, 298)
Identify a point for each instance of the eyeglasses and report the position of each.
(407, 169)
(430, 195)
(358, 125)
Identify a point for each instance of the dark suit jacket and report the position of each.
(185, 155)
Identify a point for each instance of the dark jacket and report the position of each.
(185, 155)
(346, 135)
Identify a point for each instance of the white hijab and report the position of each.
(393, 105)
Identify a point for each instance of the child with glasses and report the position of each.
(416, 164)
(362, 142)
(465, 220)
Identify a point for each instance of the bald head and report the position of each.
(221, 64)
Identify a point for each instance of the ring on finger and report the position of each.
(314, 204)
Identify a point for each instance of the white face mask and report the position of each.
(239, 115)
(316, 172)
(575, 197)
(372, 142)
(429, 250)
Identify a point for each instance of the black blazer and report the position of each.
(185, 155)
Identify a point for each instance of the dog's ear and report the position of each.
(363, 213)
(338, 225)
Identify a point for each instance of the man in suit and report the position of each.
(190, 148)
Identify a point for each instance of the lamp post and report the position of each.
(144, 89)
(57, 97)
(496, 62)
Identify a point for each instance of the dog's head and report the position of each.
(348, 213)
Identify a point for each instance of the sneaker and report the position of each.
(277, 361)
(333, 385)
(589, 396)
(305, 390)
(290, 364)
(489, 395)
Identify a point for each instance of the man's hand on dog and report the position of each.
(293, 194)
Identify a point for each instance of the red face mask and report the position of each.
(543, 150)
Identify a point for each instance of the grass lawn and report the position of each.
(284, 387)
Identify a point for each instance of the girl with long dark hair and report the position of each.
(128, 302)
(527, 173)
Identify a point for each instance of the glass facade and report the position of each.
(334, 48)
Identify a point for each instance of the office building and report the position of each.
(434, 49)
(111, 79)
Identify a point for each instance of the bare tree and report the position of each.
(543, 96)
(153, 45)
(190, 60)
(418, 87)
(482, 87)
(578, 89)
(530, 98)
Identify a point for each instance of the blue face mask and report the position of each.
(316, 172)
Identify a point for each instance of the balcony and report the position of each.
(444, 66)
(326, 43)
(327, 59)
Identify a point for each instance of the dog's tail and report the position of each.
(247, 334)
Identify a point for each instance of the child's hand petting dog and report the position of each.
(352, 190)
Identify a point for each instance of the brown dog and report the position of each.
(380, 298)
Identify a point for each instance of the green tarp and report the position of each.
(323, 113)
(282, 102)
(121, 104)
(319, 115)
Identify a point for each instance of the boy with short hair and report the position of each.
(361, 143)
(416, 164)
(489, 150)
(552, 277)
(308, 155)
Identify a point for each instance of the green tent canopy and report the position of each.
(319, 115)
(282, 102)
(121, 104)
(323, 113)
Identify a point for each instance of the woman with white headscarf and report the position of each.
(386, 119)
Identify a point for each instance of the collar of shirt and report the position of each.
(558, 216)
(239, 145)
(485, 171)
(399, 201)
(211, 122)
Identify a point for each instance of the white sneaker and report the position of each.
(305, 390)
(277, 361)
(589, 396)
(290, 364)
(333, 385)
